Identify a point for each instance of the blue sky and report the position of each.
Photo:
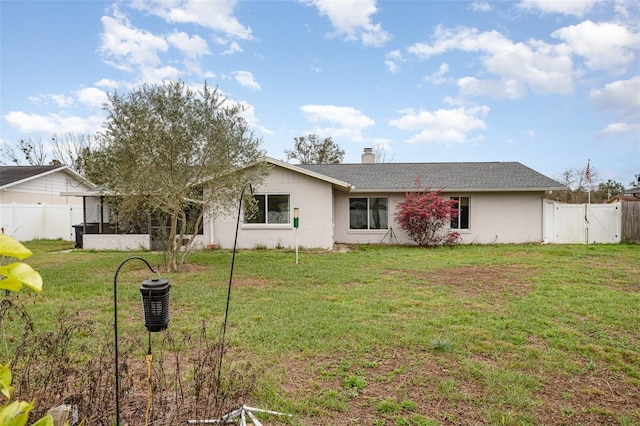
(550, 84)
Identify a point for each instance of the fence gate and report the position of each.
(582, 223)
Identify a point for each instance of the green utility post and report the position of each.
(296, 222)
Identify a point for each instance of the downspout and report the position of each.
(101, 215)
(212, 236)
(84, 215)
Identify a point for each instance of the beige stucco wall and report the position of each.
(312, 196)
(494, 218)
(505, 218)
(125, 242)
(115, 241)
(44, 190)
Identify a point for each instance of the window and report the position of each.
(368, 213)
(271, 209)
(462, 221)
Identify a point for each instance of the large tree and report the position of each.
(80, 152)
(311, 149)
(177, 154)
(609, 189)
(77, 151)
(29, 151)
(578, 183)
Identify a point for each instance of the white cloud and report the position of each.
(344, 122)
(624, 97)
(53, 123)
(438, 76)
(481, 6)
(192, 47)
(615, 129)
(443, 125)
(620, 95)
(344, 116)
(508, 88)
(37, 100)
(535, 65)
(105, 82)
(391, 61)
(352, 18)
(605, 45)
(61, 100)
(92, 96)
(245, 79)
(249, 114)
(565, 7)
(627, 10)
(215, 15)
(234, 47)
(126, 45)
(152, 75)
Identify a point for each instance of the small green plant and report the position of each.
(567, 412)
(447, 387)
(388, 406)
(333, 400)
(409, 405)
(440, 345)
(354, 384)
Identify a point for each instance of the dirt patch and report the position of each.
(426, 385)
(341, 248)
(250, 282)
(479, 280)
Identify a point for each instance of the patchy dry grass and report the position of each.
(384, 335)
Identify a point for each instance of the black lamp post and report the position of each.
(155, 304)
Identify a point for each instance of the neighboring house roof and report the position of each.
(621, 198)
(459, 177)
(15, 175)
(632, 191)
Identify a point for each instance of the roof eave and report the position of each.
(341, 185)
(463, 189)
(65, 169)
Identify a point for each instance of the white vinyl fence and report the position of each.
(582, 223)
(26, 222)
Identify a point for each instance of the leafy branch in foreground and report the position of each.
(13, 277)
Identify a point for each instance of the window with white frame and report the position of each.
(462, 221)
(270, 209)
(368, 213)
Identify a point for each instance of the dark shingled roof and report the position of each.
(11, 174)
(471, 176)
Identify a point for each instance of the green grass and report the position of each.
(501, 334)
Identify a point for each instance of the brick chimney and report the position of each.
(368, 157)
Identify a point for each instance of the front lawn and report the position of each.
(379, 335)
